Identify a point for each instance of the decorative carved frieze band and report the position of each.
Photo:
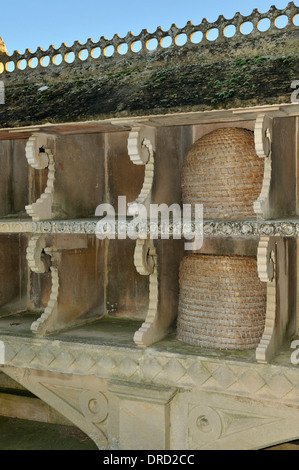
(145, 260)
(40, 156)
(263, 144)
(141, 145)
(228, 228)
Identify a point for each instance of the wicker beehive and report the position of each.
(223, 172)
(222, 302)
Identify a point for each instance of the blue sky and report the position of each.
(33, 23)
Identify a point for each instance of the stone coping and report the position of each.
(163, 120)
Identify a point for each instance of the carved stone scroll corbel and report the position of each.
(44, 254)
(40, 156)
(263, 147)
(145, 260)
(141, 147)
(273, 255)
(36, 249)
(266, 262)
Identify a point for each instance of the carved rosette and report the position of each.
(40, 157)
(263, 144)
(94, 406)
(205, 425)
(141, 152)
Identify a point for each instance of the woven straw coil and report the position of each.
(222, 302)
(223, 172)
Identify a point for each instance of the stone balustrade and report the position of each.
(190, 36)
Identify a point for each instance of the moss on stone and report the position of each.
(236, 73)
(225, 84)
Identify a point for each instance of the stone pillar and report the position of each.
(144, 416)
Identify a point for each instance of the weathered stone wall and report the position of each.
(257, 68)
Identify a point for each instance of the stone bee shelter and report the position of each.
(140, 343)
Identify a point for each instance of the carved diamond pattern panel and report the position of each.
(293, 376)
(10, 352)
(127, 367)
(198, 373)
(25, 355)
(64, 360)
(151, 368)
(246, 379)
(224, 376)
(105, 365)
(251, 381)
(279, 385)
(85, 361)
(44, 357)
(173, 369)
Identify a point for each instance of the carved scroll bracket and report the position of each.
(40, 155)
(36, 251)
(263, 147)
(44, 255)
(145, 260)
(82, 402)
(141, 148)
(273, 254)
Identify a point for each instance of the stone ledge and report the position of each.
(167, 364)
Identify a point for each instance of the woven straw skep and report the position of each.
(222, 302)
(223, 172)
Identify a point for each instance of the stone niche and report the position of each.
(14, 182)
(13, 273)
(223, 172)
(72, 277)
